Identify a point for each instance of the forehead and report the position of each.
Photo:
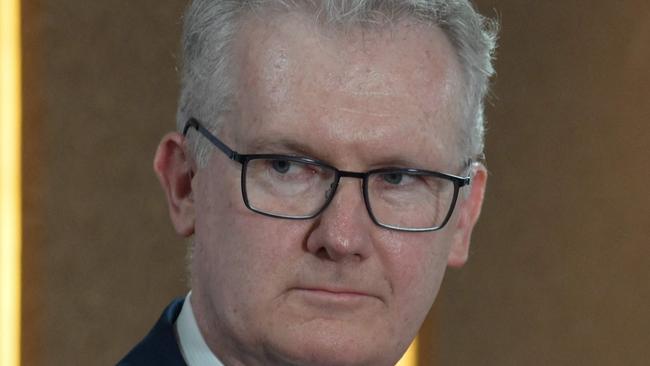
(358, 89)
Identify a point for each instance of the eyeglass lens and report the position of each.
(287, 188)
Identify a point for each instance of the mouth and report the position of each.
(327, 296)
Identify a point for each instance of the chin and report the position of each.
(326, 356)
(322, 348)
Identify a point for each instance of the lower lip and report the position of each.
(323, 296)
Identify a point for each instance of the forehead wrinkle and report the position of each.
(366, 112)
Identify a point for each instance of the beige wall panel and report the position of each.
(33, 249)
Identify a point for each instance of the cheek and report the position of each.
(417, 263)
(243, 262)
(248, 252)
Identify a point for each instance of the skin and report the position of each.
(335, 290)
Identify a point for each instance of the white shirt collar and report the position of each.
(193, 347)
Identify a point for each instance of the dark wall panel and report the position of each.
(113, 261)
(559, 269)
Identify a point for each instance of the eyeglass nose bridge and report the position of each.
(331, 191)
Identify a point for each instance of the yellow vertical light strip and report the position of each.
(10, 183)
(410, 358)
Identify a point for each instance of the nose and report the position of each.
(343, 230)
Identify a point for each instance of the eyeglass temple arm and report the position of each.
(467, 179)
(193, 122)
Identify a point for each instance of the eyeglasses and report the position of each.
(299, 188)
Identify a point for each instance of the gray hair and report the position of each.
(210, 26)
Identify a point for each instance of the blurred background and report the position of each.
(560, 266)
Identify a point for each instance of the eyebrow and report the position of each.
(281, 145)
(263, 144)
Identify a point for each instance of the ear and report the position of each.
(469, 209)
(174, 170)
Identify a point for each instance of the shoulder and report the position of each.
(159, 347)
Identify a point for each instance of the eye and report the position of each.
(281, 166)
(393, 178)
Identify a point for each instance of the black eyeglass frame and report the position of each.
(243, 159)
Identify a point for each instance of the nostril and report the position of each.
(322, 253)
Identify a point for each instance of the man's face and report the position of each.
(335, 290)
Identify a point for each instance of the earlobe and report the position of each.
(469, 208)
(174, 170)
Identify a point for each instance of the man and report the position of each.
(326, 170)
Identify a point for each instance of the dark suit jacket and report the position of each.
(159, 347)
